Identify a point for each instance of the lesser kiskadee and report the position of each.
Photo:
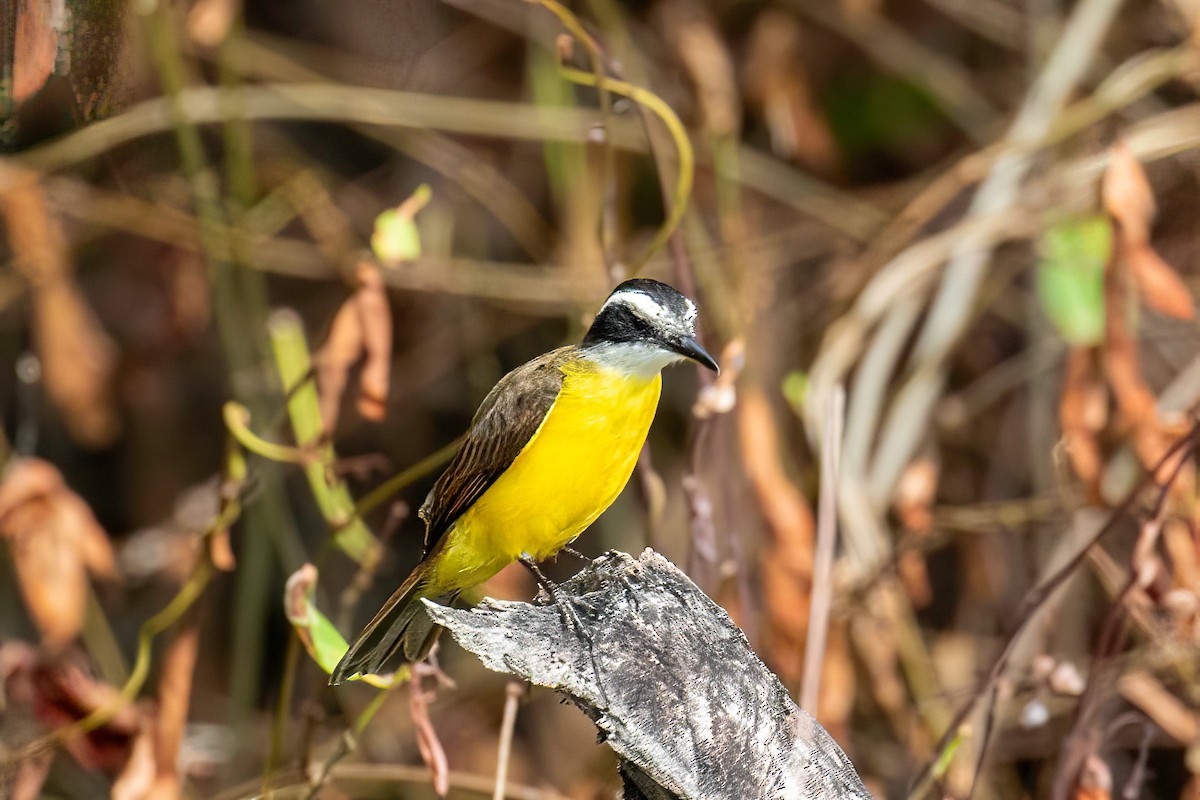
(548, 451)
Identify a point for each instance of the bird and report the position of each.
(549, 449)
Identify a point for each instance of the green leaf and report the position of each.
(1070, 277)
(795, 390)
(328, 644)
(942, 764)
(396, 237)
(319, 636)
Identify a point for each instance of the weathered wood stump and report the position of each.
(669, 680)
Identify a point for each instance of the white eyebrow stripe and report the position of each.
(644, 304)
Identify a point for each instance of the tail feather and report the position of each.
(402, 626)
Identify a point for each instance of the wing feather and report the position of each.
(506, 421)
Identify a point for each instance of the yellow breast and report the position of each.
(565, 477)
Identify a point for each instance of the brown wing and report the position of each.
(505, 422)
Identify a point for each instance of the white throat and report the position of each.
(635, 359)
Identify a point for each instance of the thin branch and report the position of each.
(822, 591)
(1034, 600)
(512, 696)
(954, 303)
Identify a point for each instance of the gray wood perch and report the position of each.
(669, 680)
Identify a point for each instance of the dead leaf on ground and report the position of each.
(77, 357)
(55, 542)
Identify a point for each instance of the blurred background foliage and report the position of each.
(977, 219)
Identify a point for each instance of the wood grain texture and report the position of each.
(669, 680)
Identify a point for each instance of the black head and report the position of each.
(650, 318)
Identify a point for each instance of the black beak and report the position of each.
(689, 347)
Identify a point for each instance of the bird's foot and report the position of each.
(569, 617)
(573, 552)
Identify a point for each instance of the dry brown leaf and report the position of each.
(915, 492)
(785, 508)
(174, 694)
(1160, 286)
(60, 692)
(1082, 414)
(375, 316)
(55, 541)
(17, 662)
(774, 82)
(334, 360)
(786, 562)
(430, 746)
(1128, 198)
(229, 508)
(77, 356)
(1134, 400)
(361, 329)
(136, 780)
(1168, 712)
(295, 601)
